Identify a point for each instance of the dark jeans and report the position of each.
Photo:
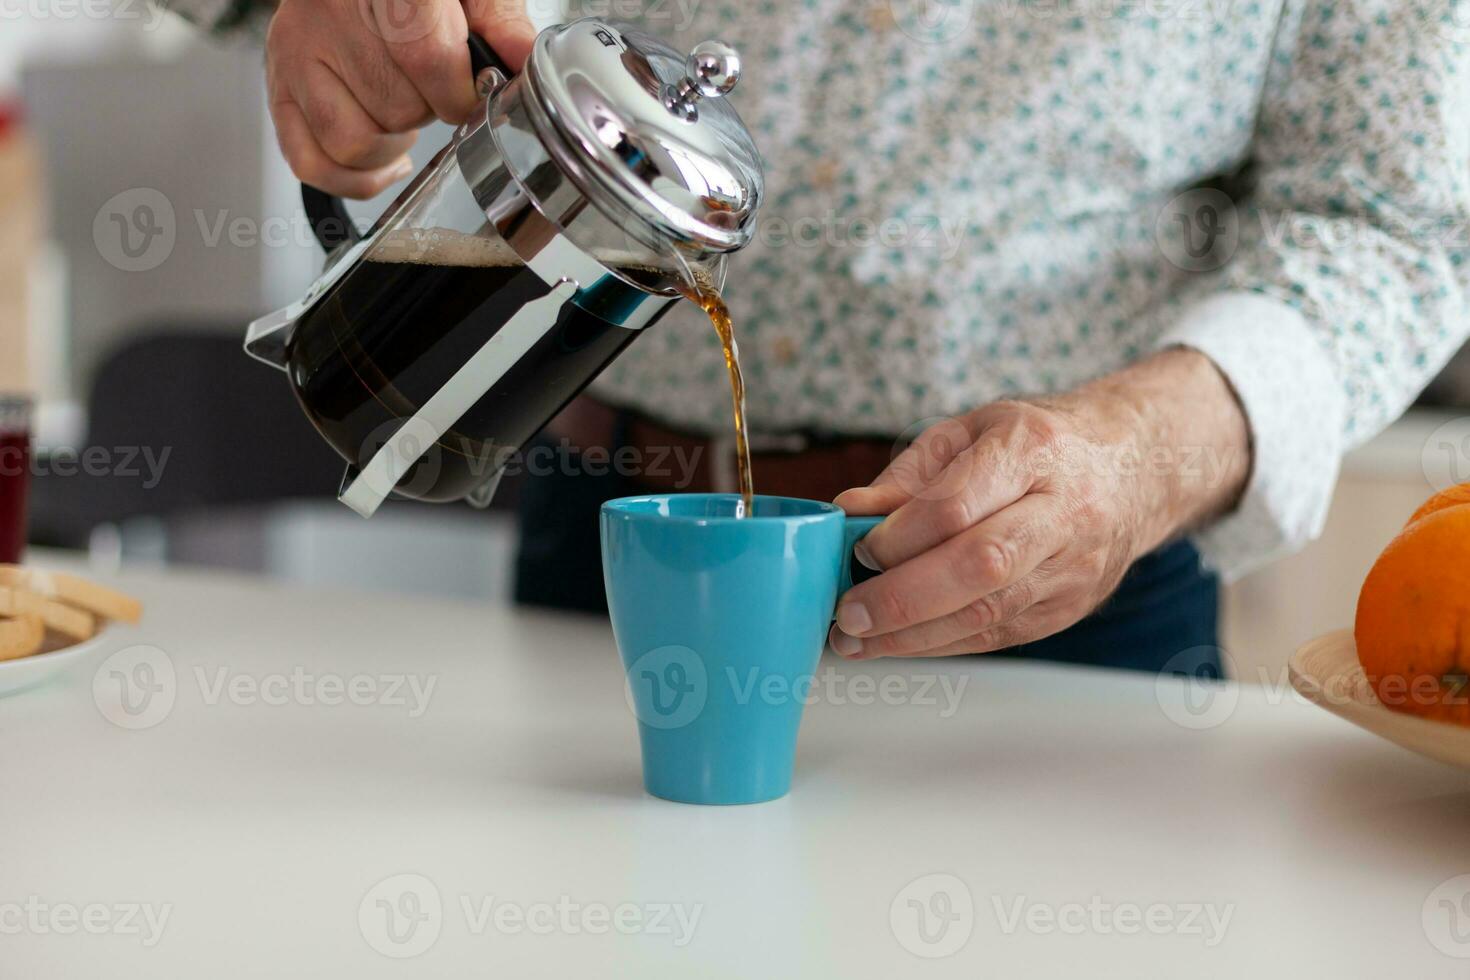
(1163, 616)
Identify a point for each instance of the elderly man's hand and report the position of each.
(1015, 521)
(350, 81)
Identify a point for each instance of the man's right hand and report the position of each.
(350, 81)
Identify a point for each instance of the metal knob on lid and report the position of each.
(646, 133)
(712, 71)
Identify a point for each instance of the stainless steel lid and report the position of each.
(636, 123)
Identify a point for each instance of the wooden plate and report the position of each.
(1327, 673)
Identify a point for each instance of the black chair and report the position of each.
(230, 426)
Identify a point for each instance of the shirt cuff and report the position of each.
(1295, 405)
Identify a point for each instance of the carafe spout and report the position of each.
(265, 340)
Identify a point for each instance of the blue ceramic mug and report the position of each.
(720, 622)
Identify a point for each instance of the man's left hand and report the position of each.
(1015, 521)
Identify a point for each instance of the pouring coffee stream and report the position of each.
(591, 192)
(710, 299)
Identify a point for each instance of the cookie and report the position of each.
(21, 636)
(69, 621)
(95, 599)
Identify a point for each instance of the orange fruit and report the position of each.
(1453, 497)
(1413, 622)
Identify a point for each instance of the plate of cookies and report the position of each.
(48, 620)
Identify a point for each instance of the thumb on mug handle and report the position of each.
(854, 530)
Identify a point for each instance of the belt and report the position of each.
(663, 460)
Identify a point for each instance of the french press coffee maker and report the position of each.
(553, 229)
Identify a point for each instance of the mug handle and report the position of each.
(326, 213)
(854, 530)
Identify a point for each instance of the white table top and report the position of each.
(1062, 820)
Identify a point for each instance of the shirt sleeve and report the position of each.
(1349, 288)
(224, 18)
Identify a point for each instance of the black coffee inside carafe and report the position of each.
(394, 329)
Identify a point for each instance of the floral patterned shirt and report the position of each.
(975, 199)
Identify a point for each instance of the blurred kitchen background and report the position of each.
(146, 217)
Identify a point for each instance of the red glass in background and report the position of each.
(15, 475)
(15, 427)
(9, 117)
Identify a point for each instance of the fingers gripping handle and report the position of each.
(483, 56)
(327, 214)
(855, 529)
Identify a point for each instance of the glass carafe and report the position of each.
(527, 255)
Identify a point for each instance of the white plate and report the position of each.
(1326, 672)
(27, 672)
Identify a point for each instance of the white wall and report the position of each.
(140, 102)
